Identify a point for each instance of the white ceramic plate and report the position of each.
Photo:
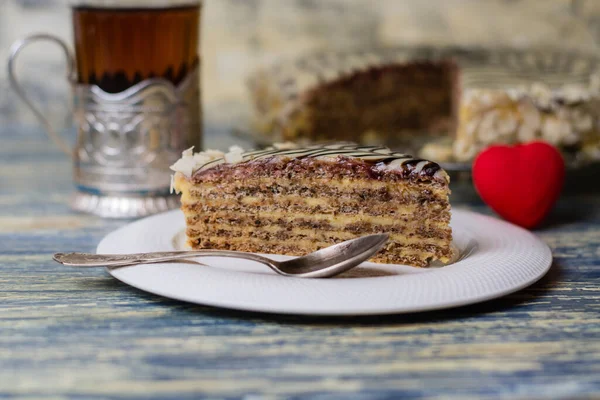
(496, 258)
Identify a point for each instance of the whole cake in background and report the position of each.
(446, 104)
(294, 200)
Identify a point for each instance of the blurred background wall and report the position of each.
(238, 35)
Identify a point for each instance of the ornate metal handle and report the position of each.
(15, 49)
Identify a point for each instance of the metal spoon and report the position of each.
(323, 263)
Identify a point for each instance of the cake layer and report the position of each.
(283, 233)
(392, 253)
(317, 229)
(341, 188)
(385, 207)
(379, 213)
(436, 229)
(385, 98)
(391, 117)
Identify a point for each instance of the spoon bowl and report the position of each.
(336, 259)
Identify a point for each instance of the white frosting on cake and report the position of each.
(565, 116)
(191, 162)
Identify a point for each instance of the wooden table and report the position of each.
(83, 334)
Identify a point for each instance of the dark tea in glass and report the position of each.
(119, 46)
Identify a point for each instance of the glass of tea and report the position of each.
(136, 100)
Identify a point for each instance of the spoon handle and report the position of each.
(89, 260)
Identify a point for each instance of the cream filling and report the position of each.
(338, 183)
(337, 221)
(299, 247)
(190, 192)
(322, 235)
(298, 205)
(302, 244)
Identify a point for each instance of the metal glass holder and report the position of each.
(125, 141)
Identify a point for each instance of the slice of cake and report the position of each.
(445, 104)
(291, 200)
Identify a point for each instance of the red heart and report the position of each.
(521, 183)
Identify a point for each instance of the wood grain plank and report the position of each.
(66, 333)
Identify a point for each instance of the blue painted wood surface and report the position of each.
(68, 333)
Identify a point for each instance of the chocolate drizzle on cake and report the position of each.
(379, 158)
